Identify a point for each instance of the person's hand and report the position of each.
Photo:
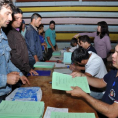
(76, 92)
(72, 67)
(53, 49)
(45, 44)
(33, 72)
(13, 78)
(56, 47)
(76, 35)
(24, 80)
(77, 74)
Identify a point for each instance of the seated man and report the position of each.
(19, 52)
(9, 74)
(74, 45)
(33, 41)
(108, 107)
(94, 66)
(85, 42)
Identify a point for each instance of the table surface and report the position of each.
(57, 98)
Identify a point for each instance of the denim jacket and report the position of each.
(6, 66)
(33, 43)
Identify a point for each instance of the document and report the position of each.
(72, 115)
(67, 57)
(21, 109)
(64, 82)
(60, 65)
(44, 64)
(25, 94)
(64, 71)
(56, 53)
(53, 109)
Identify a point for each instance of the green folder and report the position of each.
(56, 53)
(64, 82)
(44, 64)
(72, 115)
(67, 57)
(21, 109)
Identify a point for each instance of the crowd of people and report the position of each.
(22, 46)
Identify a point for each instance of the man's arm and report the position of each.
(36, 58)
(94, 82)
(50, 43)
(110, 111)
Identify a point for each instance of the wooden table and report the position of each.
(57, 98)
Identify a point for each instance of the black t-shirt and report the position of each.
(91, 48)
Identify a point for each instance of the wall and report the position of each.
(75, 16)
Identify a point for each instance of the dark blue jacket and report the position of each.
(33, 43)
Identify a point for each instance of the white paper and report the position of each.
(60, 65)
(53, 109)
(64, 71)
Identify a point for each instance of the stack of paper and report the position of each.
(67, 57)
(25, 94)
(44, 64)
(60, 65)
(21, 109)
(72, 115)
(64, 82)
(64, 71)
(56, 53)
(49, 110)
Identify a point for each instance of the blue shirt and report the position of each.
(50, 33)
(42, 40)
(6, 66)
(111, 93)
(33, 43)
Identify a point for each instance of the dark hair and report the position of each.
(35, 16)
(16, 10)
(79, 54)
(84, 39)
(40, 27)
(6, 3)
(73, 40)
(104, 29)
(52, 22)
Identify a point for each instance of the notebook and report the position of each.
(44, 64)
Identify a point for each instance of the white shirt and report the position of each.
(95, 66)
(73, 48)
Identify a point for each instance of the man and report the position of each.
(94, 66)
(50, 38)
(9, 74)
(42, 40)
(33, 41)
(109, 104)
(19, 56)
(85, 42)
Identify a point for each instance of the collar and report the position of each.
(34, 27)
(88, 47)
(2, 36)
